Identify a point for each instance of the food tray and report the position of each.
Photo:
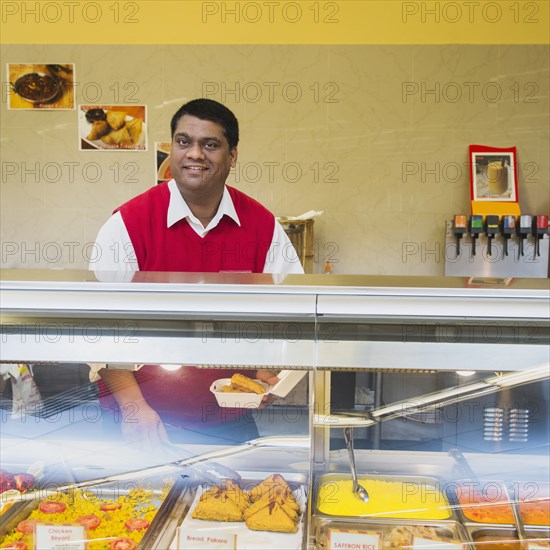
(395, 534)
(246, 538)
(158, 535)
(531, 495)
(287, 380)
(505, 537)
(417, 491)
(497, 495)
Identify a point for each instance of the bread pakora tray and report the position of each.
(242, 523)
(125, 515)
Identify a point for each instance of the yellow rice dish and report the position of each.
(136, 504)
(387, 499)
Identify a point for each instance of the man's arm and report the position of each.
(140, 423)
(113, 249)
(282, 257)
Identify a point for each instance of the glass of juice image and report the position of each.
(497, 177)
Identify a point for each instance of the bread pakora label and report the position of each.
(194, 540)
(342, 539)
(51, 536)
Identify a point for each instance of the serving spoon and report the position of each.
(358, 490)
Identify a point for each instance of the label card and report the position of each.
(340, 539)
(60, 536)
(214, 540)
(422, 542)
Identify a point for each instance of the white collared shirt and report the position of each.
(113, 250)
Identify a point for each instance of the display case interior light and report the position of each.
(465, 372)
(170, 366)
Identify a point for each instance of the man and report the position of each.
(194, 222)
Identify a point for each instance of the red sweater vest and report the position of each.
(227, 247)
(182, 397)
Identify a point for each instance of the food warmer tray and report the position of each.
(298, 483)
(160, 532)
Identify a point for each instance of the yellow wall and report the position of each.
(386, 167)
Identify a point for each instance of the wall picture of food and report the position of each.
(112, 127)
(41, 86)
(162, 158)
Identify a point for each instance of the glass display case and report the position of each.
(436, 388)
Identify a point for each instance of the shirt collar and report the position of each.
(178, 209)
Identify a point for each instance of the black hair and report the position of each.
(208, 109)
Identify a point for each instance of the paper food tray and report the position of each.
(287, 380)
(245, 538)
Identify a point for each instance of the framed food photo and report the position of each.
(46, 86)
(493, 174)
(112, 127)
(162, 161)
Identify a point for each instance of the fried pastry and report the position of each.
(272, 517)
(99, 129)
(231, 389)
(285, 504)
(236, 494)
(134, 128)
(243, 383)
(120, 137)
(215, 505)
(116, 119)
(269, 486)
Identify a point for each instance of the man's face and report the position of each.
(200, 159)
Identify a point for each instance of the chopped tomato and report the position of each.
(122, 544)
(27, 526)
(90, 522)
(18, 545)
(136, 524)
(23, 482)
(110, 506)
(52, 507)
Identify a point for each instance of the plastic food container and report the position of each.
(287, 380)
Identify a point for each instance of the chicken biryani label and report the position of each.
(65, 536)
(341, 539)
(421, 542)
(196, 540)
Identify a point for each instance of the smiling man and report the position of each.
(193, 223)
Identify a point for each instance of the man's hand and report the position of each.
(142, 426)
(269, 377)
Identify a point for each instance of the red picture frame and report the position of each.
(493, 174)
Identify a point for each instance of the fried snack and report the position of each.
(243, 383)
(99, 129)
(134, 128)
(116, 119)
(120, 137)
(269, 486)
(272, 517)
(286, 505)
(215, 505)
(236, 494)
(231, 389)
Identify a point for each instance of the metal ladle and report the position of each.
(358, 490)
